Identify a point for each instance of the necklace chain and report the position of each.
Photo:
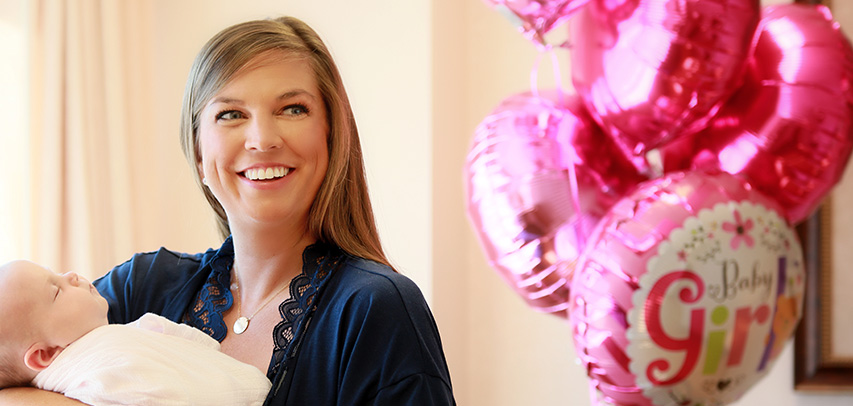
(242, 322)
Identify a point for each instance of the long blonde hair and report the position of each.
(341, 213)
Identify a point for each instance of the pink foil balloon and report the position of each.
(520, 182)
(535, 18)
(789, 129)
(651, 70)
(686, 293)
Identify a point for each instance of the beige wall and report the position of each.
(500, 352)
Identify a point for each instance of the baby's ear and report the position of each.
(40, 355)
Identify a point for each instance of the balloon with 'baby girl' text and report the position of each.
(687, 292)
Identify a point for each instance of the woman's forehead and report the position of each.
(303, 74)
(269, 58)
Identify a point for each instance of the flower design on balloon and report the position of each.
(741, 230)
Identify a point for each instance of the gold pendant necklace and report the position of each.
(242, 322)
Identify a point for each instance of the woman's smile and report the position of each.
(267, 177)
(265, 174)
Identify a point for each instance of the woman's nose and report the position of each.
(263, 134)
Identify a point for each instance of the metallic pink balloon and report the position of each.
(686, 293)
(652, 70)
(789, 129)
(526, 159)
(535, 18)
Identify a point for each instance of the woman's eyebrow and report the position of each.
(294, 93)
(284, 96)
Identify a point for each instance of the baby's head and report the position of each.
(41, 313)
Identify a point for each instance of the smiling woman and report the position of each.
(301, 287)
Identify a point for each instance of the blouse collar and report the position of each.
(319, 260)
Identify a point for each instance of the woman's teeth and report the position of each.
(268, 173)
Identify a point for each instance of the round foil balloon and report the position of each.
(534, 18)
(652, 70)
(789, 129)
(540, 174)
(687, 292)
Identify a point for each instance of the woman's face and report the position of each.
(263, 142)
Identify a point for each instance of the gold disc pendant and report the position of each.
(241, 325)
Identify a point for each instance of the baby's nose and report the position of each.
(72, 278)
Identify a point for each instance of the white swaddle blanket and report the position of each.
(152, 361)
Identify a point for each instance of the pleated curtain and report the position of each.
(88, 102)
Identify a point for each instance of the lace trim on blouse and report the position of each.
(296, 311)
(215, 297)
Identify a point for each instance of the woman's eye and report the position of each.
(295, 110)
(229, 115)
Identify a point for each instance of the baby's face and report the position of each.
(60, 308)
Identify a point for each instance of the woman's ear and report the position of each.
(40, 355)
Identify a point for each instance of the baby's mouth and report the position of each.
(266, 173)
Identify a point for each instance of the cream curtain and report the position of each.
(14, 159)
(88, 103)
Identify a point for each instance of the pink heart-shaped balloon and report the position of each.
(789, 129)
(652, 70)
(535, 18)
(540, 174)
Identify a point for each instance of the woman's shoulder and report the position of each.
(155, 281)
(162, 266)
(363, 276)
(167, 264)
(164, 258)
(367, 290)
(370, 309)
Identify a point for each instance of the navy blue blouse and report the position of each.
(354, 332)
